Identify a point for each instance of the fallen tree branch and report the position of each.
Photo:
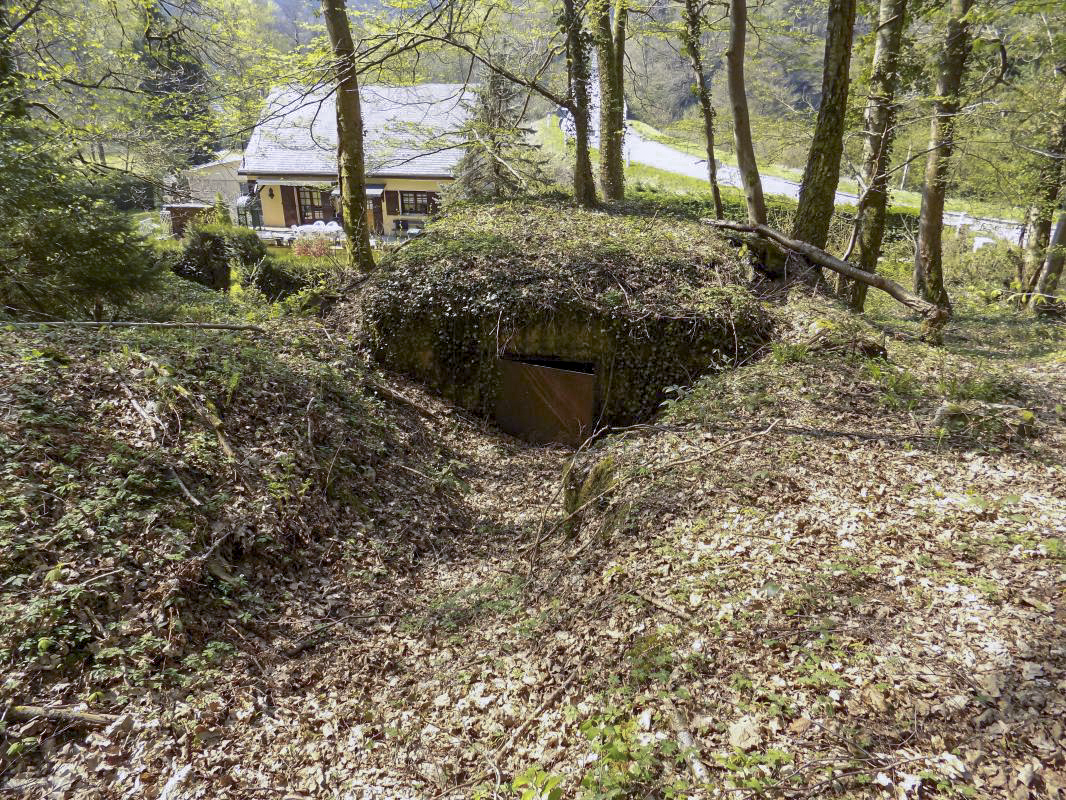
(185, 489)
(220, 326)
(688, 747)
(400, 399)
(60, 715)
(934, 316)
(548, 702)
(663, 605)
(140, 410)
(315, 636)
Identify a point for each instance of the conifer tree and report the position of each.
(499, 159)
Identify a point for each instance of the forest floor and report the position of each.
(792, 585)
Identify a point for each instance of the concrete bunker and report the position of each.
(553, 343)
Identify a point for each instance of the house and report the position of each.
(411, 146)
(206, 182)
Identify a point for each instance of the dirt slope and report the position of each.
(844, 603)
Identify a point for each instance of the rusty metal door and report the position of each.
(546, 401)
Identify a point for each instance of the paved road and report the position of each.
(661, 156)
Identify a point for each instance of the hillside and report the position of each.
(271, 567)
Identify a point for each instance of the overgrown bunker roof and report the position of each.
(639, 303)
(546, 254)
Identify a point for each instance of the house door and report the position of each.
(288, 206)
(379, 219)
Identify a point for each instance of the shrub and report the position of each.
(64, 252)
(211, 250)
(274, 279)
(283, 274)
(993, 267)
(311, 247)
(125, 192)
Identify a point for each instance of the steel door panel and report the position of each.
(545, 404)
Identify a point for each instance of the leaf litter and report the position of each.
(847, 604)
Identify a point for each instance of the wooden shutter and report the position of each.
(392, 203)
(288, 205)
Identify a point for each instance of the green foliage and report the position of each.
(994, 267)
(94, 499)
(628, 764)
(751, 770)
(176, 76)
(500, 161)
(124, 191)
(788, 353)
(212, 251)
(900, 388)
(536, 784)
(220, 211)
(285, 274)
(63, 252)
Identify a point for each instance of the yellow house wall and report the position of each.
(274, 212)
(407, 185)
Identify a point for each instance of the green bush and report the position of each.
(283, 274)
(994, 267)
(274, 279)
(211, 250)
(63, 251)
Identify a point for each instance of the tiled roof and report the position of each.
(408, 130)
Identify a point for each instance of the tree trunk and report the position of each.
(577, 67)
(1048, 281)
(1045, 200)
(928, 256)
(610, 48)
(350, 157)
(690, 38)
(878, 131)
(822, 173)
(12, 100)
(738, 98)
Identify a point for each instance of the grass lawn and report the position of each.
(904, 199)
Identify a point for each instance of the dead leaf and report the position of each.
(744, 733)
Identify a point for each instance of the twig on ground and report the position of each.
(140, 410)
(549, 701)
(60, 715)
(689, 749)
(403, 400)
(185, 489)
(311, 639)
(661, 604)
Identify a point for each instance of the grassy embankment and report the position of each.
(550, 136)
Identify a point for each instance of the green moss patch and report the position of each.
(649, 303)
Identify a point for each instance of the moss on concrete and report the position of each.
(649, 303)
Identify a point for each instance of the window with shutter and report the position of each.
(392, 203)
(415, 202)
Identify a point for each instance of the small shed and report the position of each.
(182, 214)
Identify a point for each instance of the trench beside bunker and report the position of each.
(558, 376)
